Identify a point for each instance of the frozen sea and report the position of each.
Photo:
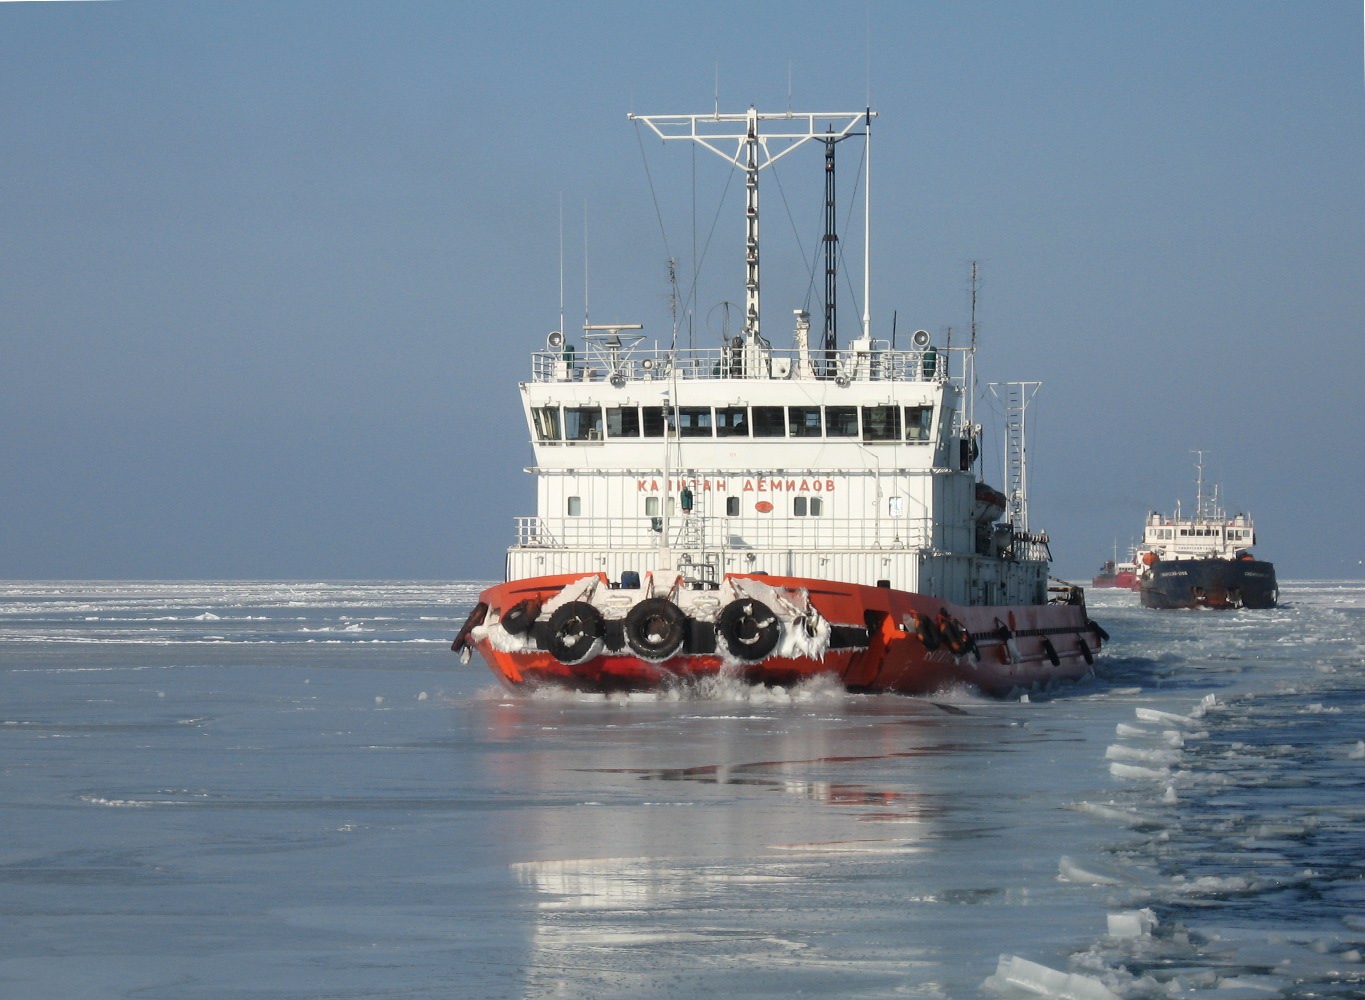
(295, 790)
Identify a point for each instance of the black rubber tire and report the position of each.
(519, 618)
(750, 629)
(655, 628)
(573, 631)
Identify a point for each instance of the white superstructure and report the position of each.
(850, 463)
(1209, 534)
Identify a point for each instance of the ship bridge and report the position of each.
(850, 464)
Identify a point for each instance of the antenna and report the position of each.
(754, 150)
(561, 262)
(867, 230)
(971, 358)
(868, 56)
(1199, 484)
(673, 298)
(585, 261)
(830, 343)
(974, 288)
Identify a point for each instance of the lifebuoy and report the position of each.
(574, 631)
(749, 627)
(924, 630)
(518, 619)
(1051, 652)
(655, 628)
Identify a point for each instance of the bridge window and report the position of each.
(694, 421)
(583, 423)
(841, 421)
(805, 421)
(623, 421)
(918, 421)
(575, 506)
(769, 422)
(807, 506)
(732, 421)
(653, 421)
(546, 419)
(881, 423)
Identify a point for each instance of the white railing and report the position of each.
(878, 363)
(715, 534)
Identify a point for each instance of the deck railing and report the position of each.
(878, 362)
(724, 533)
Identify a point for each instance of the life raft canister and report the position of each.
(749, 627)
(573, 631)
(655, 628)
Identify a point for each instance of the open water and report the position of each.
(268, 790)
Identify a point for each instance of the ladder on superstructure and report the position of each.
(1015, 396)
(692, 534)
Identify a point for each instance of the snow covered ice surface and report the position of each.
(288, 790)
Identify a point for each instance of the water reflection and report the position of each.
(744, 841)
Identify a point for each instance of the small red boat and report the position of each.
(1123, 575)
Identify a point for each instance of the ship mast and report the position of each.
(1199, 513)
(756, 146)
(1016, 397)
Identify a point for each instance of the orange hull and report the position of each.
(871, 638)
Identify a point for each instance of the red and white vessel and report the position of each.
(773, 514)
(1121, 575)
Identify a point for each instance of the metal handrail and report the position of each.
(632, 362)
(734, 534)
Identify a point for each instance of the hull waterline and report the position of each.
(870, 639)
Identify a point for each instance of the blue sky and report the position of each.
(269, 272)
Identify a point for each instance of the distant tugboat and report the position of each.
(1203, 561)
(1119, 575)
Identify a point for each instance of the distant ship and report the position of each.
(1120, 575)
(771, 514)
(1203, 561)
